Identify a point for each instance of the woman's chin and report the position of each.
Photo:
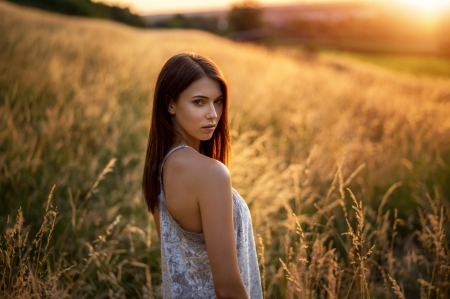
(206, 137)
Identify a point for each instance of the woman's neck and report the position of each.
(181, 141)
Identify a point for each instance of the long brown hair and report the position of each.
(177, 74)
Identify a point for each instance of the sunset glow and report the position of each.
(429, 11)
(154, 7)
(427, 6)
(177, 6)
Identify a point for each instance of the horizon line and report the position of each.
(262, 5)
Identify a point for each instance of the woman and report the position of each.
(207, 245)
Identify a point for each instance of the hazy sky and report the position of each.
(145, 7)
(170, 6)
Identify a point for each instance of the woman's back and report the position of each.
(186, 260)
(184, 174)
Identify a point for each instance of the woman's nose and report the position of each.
(211, 112)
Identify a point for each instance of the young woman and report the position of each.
(205, 229)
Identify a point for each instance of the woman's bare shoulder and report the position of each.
(198, 170)
(194, 163)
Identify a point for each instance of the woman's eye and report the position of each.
(198, 102)
(218, 101)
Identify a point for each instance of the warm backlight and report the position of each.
(427, 6)
(430, 12)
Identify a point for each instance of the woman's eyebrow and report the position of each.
(205, 97)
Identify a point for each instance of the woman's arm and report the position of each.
(216, 208)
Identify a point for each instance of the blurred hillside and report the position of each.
(354, 26)
(86, 8)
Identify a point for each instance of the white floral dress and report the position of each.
(185, 265)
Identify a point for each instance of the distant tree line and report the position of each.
(210, 24)
(86, 8)
(243, 16)
(382, 27)
(347, 29)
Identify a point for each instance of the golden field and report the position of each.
(345, 166)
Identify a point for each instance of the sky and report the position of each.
(144, 7)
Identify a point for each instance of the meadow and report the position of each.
(345, 166)
(417, 65)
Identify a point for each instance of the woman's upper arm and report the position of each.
(216, 208)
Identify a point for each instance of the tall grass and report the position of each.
(345, 167)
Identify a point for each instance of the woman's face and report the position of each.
(197, 111)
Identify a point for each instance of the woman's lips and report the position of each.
(209, 128)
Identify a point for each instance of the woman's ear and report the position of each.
(171, 107)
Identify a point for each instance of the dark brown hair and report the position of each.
(177, 74)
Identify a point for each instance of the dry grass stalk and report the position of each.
(262, 264)
(396, 288)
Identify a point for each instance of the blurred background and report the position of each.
(372, 30)
(339, 114)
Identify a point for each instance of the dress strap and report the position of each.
(170, 152)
